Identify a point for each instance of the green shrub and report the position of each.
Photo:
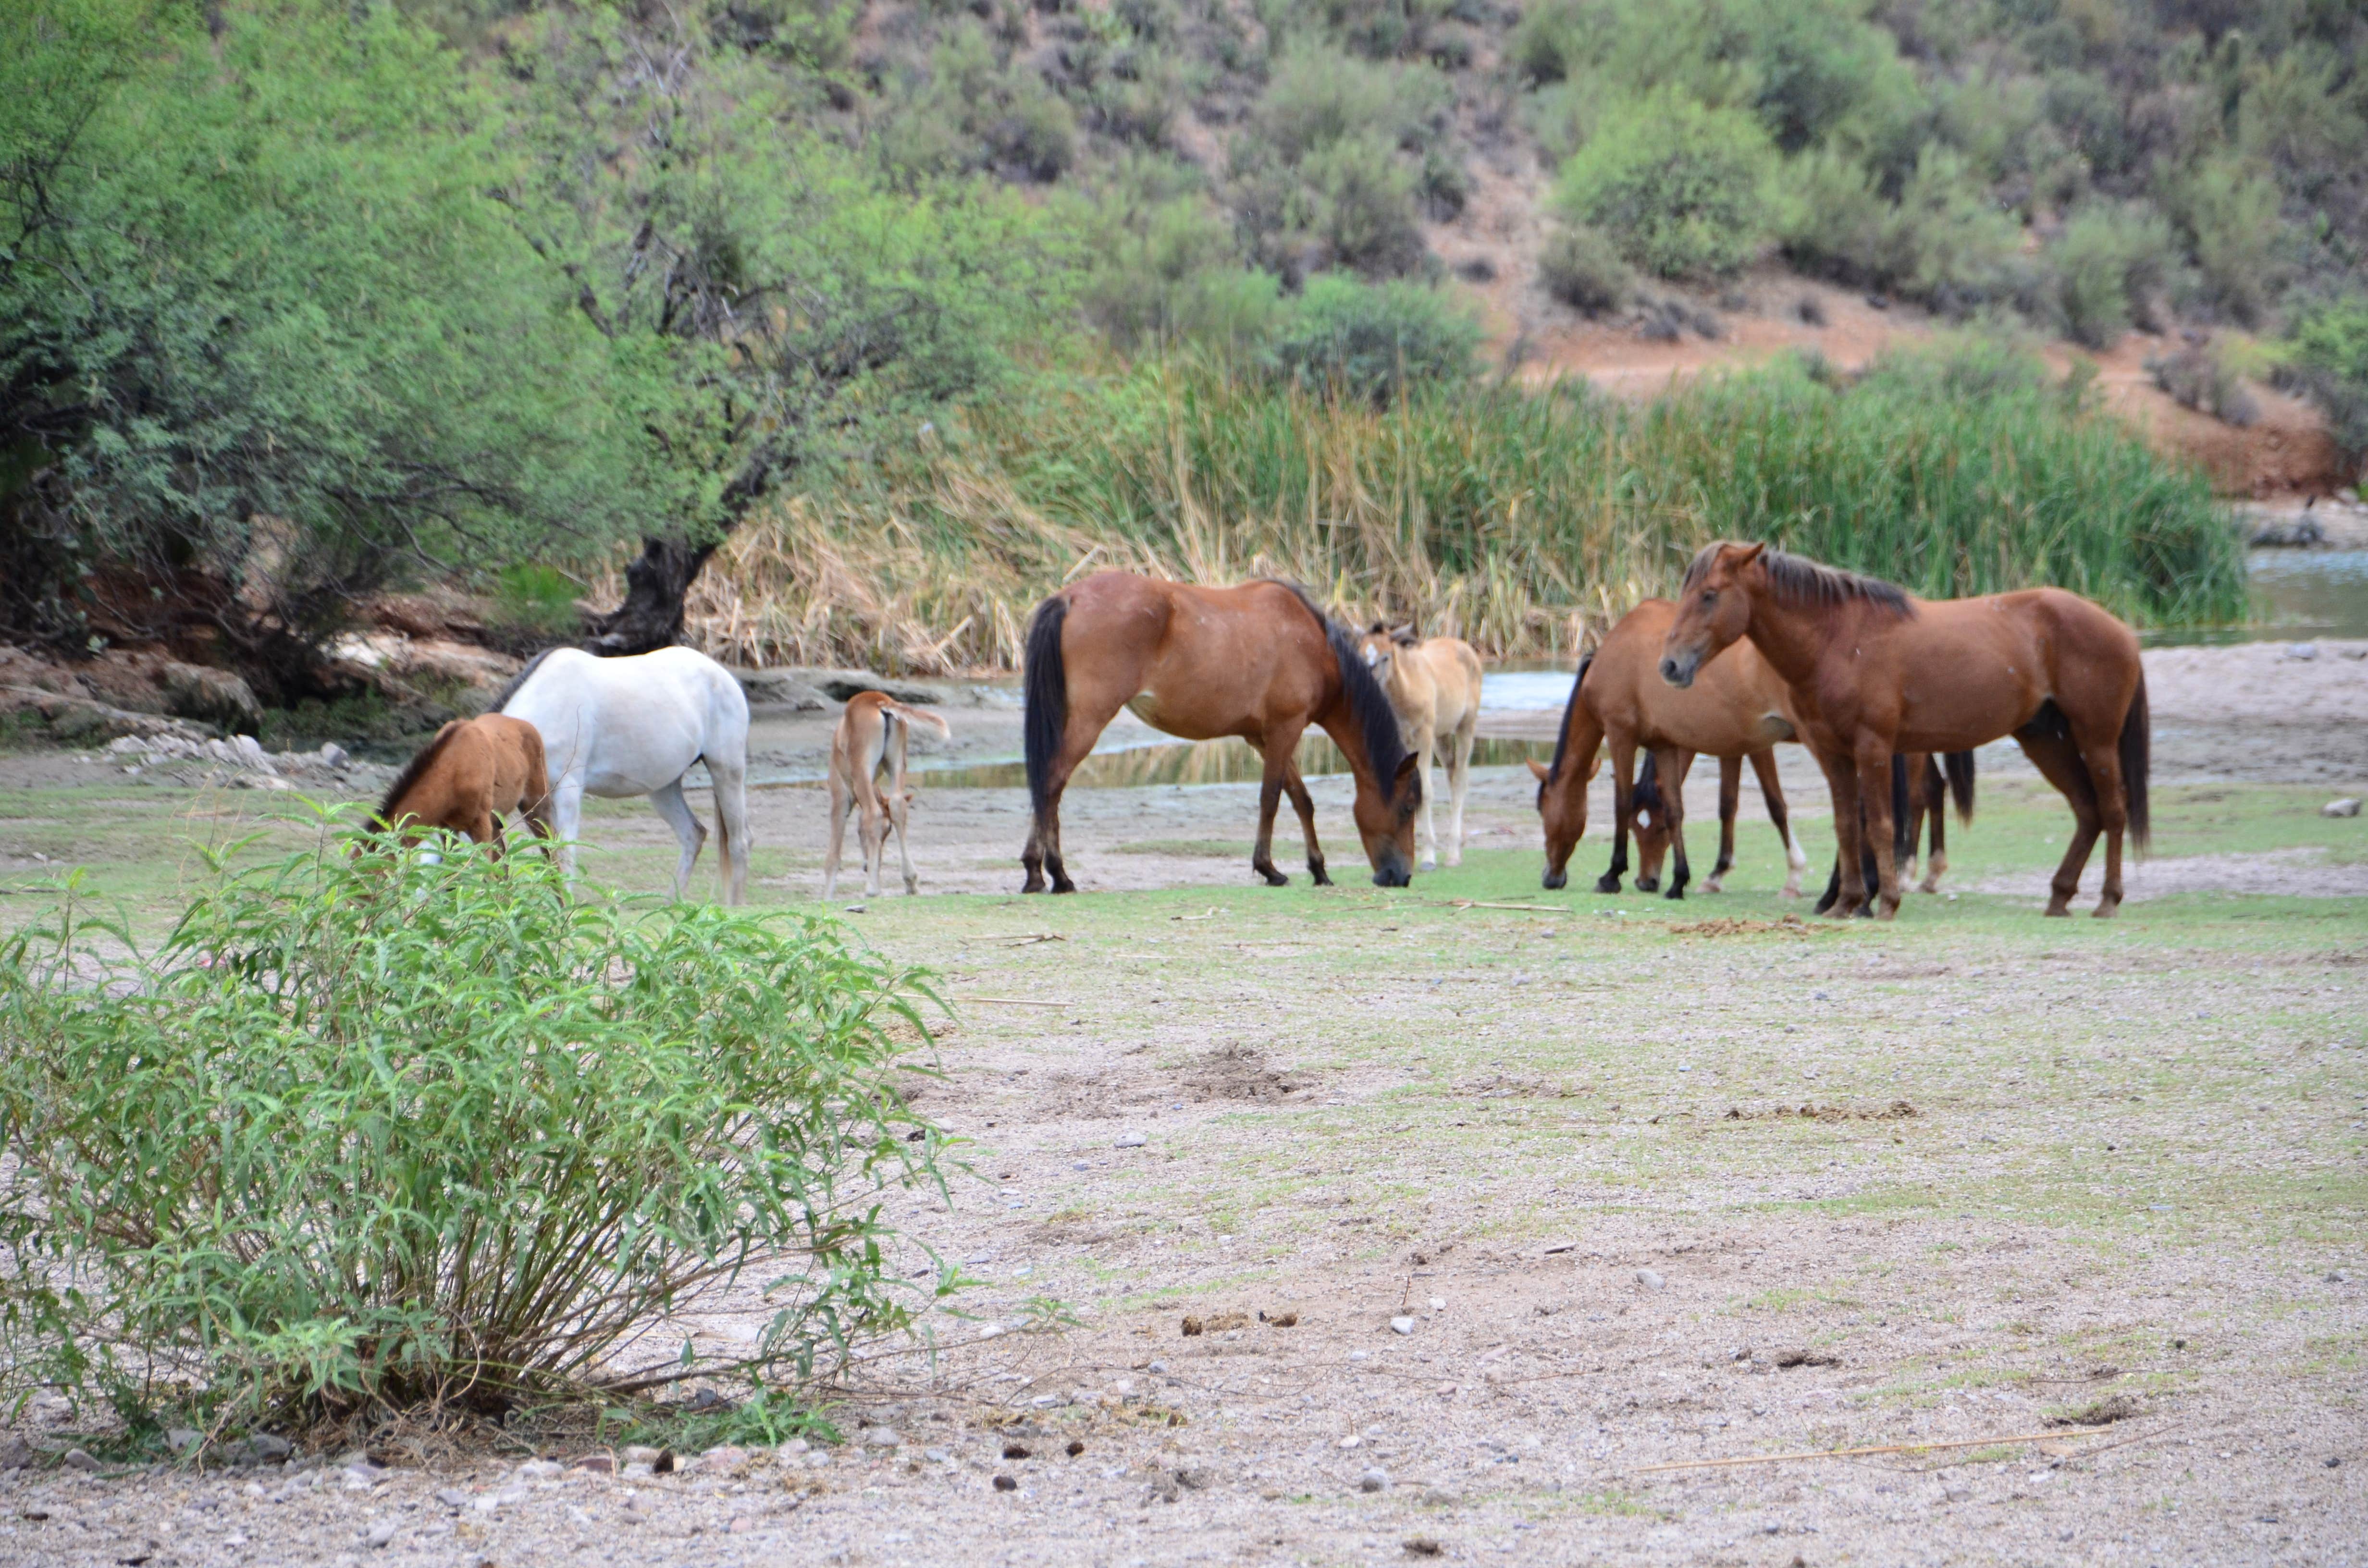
(536, 601)
(1583, 269)
(369, 1134)
(1363, 211)
(2107, 261)
(2201, 376)
(2330, 360)
(1368, 341)
(2229, 212)
(1682, 188)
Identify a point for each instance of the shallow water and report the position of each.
(1203, 762)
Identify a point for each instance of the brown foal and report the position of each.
(1259, 661)
(1738, 708)
(870, 741)
(471, 775)
(1874, 671)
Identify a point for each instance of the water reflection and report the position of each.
(1198, 762)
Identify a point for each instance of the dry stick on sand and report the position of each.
(1877, 1449)
(1522, 908)
(1013, 1001)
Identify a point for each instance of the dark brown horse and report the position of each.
(1738, 708)
(1259, 661)
(1875, 672)
(471, 775)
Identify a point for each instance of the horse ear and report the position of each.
(1539, 769)
(1746, 554)
(1375, 630)
(1405, 635)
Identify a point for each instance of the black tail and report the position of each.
(1046, 684)
(1903, 833)
(2137, 746)
(1959, 766)
(1646, 797)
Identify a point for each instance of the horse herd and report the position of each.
(1889, 693)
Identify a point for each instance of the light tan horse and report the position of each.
(473, 773)
(1434, 684)
(1875, 672)
(1738, 708)
(869, 738)
(1261, 661)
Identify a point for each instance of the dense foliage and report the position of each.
(373, 1133)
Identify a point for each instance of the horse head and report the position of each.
(1713, 611)
(1385, 815)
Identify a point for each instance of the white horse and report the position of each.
(633, 726)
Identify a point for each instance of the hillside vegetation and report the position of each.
(301, 301)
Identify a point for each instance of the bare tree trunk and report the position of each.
(656, 584)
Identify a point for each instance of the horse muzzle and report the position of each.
(1678, 670)
(1392, 872)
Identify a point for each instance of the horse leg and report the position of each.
(1874, 761)
(1936, 788)
(874, 835)
(689, 831)
(1847, 892)
(836, 853)
(2058, 761)
(1771, 794)
(1426, 743)
(2104, 760)
(1730, 795)
(1278, 759)
(567, 810)
(1458, 779)
(1304, 805)
(729, 783)
(1623, 807)
(1675, 764)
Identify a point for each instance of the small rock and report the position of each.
(1375, 1480)
(1352, 1441)
(539, 1469)
(76, 1459)
(638, 1471)
(596, 1464)
(793, 1447)
(1194, 1477)
(1423, 1546)
(266, 1448)
(452, 1497)
(15, 1453)
(640, 1453)
(381, 1533)
(1402, 1325)
(333, 755)
(494, 1502)
(741, 1525)
(1650, 1280)
(1076, 1446)
(2347, 807)
(638, 1509)
(936, 1456)
(2337, 1277)
(726, 1457)
(1439, 1303)
(181, 1440)
(2302, 650)
(1005, 1483)
(882, 1438)
(1129, 1140)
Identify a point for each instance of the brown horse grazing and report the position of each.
(1875, 672)
(1259, 661)
(1738, 708)
(471, 775)
(871, 739)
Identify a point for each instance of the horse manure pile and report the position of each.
(1792, 925)
(1897, 1111)
(1242, 1073)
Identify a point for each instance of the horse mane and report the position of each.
(1804, 584)
(411, 772)
(1385, 742)
(1561, 735)
(502, 699)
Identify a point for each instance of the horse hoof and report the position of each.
(1427, 863)
(1714, 886)
(1033, 884)
(1648, 884)
(1317, 875)
(1607, 885)
(1275, 879)
(1673, 893)
(2107, 911)
(2060, 911)
(1065, 885)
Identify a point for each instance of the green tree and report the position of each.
(1681, 187)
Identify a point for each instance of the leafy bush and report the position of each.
(1583, 269)
(1363, 206)
(1682, 188)
(369, 1134)
(1369, 340)
(2201, 376)
(2229, 211)
(2330, 361)
(2108, 262)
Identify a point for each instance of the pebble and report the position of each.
(1375, 1480)
(1360, 1354)
(1402, 1325)
(494, 1502)
(640, 1453)
(539, 1469)
(2347, 807)
(453, 1497)
(596, 1464)
(1352, 1441)
(1650, 1280)
(77, 1458)
(885, 1437)
(1005, 1483)
(381, 1533)
(1129, 1140)
(181, 1440)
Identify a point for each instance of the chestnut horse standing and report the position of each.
(1876, 671)
(1259, 661)
(471, 775)
(1738, 708)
